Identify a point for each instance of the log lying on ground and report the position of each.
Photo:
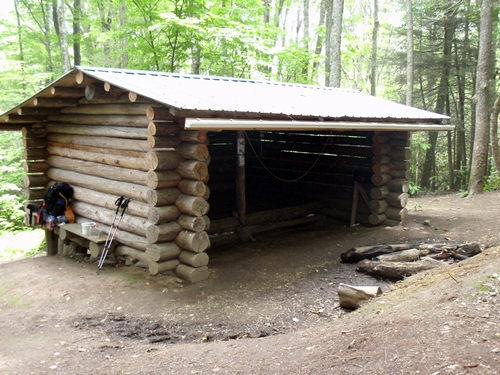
(396, 270)
(192, 274)
(364, 252)
(410, 255)
(351, 297)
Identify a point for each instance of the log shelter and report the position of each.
(207, 160)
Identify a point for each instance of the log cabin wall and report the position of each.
(391, 174)
(110, 146)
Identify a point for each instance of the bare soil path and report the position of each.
(269, 307)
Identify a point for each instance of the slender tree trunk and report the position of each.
(77, 33)
(305, 69)
(373, 60)
(319, 39)
(479, 156)
(63, 36)
(336, 43)
(409, 53)
(122, 10)
(495, 149)
(21, 51)
(328, 39)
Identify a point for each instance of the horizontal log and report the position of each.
(159, 113)
(164, 128)
(381, 168)
(99, 131)
(194, 259)
(96, 249)
(199, 136)
(286, 213)
(36, 111)
(168, 265)
(191, 187)
(163, 160)
(67, 92)
(396, 270)
(162, 197)
(352, 297)
(169, 141)
(98, 169)
(35, 154)
(398, 200)
(193, 241)
(118, 188)
(129, 223)
(122, 99)
(35, 131)
(160, 252)
(54, 102)
(192, 205)
(131, 252)
(195, 151)
(192, 274)
(108, 201)
(398, 214)
(162, 232)
(34, 142)
(192, 169)
(96, 91)
(36, 180)
(398, 186)
(379, 192)
(286, 224)
(34, 194)
(162, 179)
(107, 109)
(400, 154)
(194, 223)
(378, 206)
(359, 253)
(400, 174)
(117, 120)
(381, 159)
(24, 119)
(381, 148)
(380, 179)
(163, 214)
(409, 255)
(35, 166)
(83, 79)
(126, 162)
(105, 142)
(376, 219)
(223, 225)
(100, 150)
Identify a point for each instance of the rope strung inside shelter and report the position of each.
(282, 179)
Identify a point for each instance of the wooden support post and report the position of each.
(51, 241)
(240, 177)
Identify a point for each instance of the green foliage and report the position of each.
(492, 182)
(11, 196)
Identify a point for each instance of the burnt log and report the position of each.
(357, 254)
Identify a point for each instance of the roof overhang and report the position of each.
(230, 124)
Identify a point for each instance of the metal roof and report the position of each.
(239, 96)
(206, 93)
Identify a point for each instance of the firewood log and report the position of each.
(396, 270)
(351, 297)
(410, 255)
(364, 252)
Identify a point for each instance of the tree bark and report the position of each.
(63, 35)
(336, 43)
(409, 53)
(480, 154)
(373, 59)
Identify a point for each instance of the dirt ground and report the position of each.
(269, 307)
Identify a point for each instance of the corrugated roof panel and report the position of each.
(205, 93)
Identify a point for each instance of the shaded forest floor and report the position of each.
(269, 307)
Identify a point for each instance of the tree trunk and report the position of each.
(373, 60)
(63, 36)
(336, 43)
(480, 154)
(77, 34)
(409, 53)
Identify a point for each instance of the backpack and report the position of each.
(55, 203)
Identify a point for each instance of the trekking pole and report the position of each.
(121, 203)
